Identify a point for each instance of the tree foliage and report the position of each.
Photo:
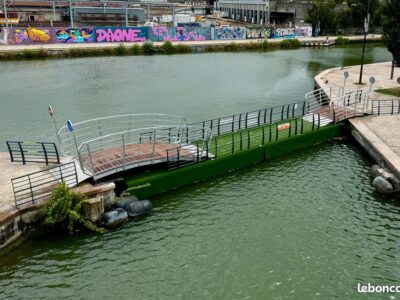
(321, 14)
(391, 28)
(63, 211)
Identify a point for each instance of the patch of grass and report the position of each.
(168, 48)
(392, 92)
(28, 54)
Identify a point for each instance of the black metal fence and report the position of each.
(37, 186)
(243, 121)
(33, 152)
(242, 140)
(385, 107)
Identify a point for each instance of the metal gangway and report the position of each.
(105, 146)
(334, 104)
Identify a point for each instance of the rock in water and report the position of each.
(139, 208)
(114, 217)
(382, 185)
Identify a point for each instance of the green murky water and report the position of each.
(308, 226)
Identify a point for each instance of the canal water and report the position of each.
(308, 226)
(197, 86)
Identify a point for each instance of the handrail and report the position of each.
(34, 152)
(31, 188)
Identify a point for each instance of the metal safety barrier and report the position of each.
(37, 186)
(33, 152)
(385, 107)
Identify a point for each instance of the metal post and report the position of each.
(5, 13)
(70, 14)
(366, 24)
(173, 14)
(154, 145)
(148, 11)
(126, 14)
(54, 10)
(391, 74)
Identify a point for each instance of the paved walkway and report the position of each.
(60, 47)
(11, 170)
(381, 72)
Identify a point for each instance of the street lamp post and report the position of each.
(366, 27)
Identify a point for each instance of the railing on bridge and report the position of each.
(121, 151)
(37, 186)
(242, 121)
(33, 152)
(351, 104)
(385, 107)
(97, 128)
(244, 139)
(322, 96)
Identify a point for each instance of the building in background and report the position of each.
(261, 12)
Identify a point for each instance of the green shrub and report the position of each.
(120, 50)
(183, 49)
(342, 40)
(290, 43)
(135, 49)
(63, 211)
(231, 47)
(264, 45)
(28, 54)
(168, 48)
(149, 48)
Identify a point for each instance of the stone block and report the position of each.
(93, 208)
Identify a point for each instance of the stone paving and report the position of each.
(381, 72)
(11, 170)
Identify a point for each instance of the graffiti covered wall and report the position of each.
(304, 31)
(163, 33)
(74, 35)
(283, 33)
(230, 33)
(121, 34)
(32, 35)
(258, 32)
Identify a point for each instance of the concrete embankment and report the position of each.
(62, 50)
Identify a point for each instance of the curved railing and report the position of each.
(116, 152)
(100, 127)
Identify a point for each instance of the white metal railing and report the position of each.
(120, 151)
(100, 127)
(351, 104)
(323, 96)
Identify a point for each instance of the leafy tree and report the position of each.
(63, 210)
(391, 28)
(321, 13)
(360, 9)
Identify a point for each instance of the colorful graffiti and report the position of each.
(283, 32)
(121, 34)
(32, 35)
(230, 33)
(163, 33)
(304, 31)
(74, 35)
(258, 32)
